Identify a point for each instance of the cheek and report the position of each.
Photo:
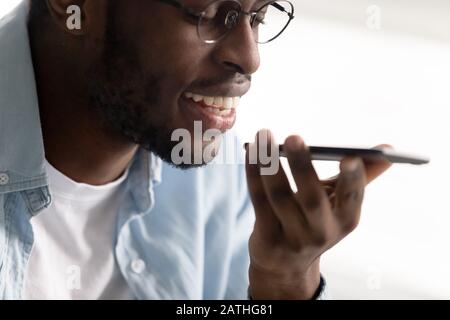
(174, 53)
(178, 61)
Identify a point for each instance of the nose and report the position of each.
(238, 51)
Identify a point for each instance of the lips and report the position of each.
(214, 112)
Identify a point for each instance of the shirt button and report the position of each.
(138, 266)
(4, 179)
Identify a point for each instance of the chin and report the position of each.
(194, 154)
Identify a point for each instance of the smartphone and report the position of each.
(337, 154)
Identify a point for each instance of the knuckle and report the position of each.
(313, 203)
(295, 245)
(350, 225)
(353, 196)
(320, 239)
(353, 176)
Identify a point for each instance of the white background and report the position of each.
(334, 80)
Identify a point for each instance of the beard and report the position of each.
(126, 99)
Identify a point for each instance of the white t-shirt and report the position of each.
(73, 253)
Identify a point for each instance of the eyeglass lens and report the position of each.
(222, 16)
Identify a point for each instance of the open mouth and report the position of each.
(221, 106)
(214, 112)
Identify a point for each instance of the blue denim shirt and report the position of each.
(187, 231)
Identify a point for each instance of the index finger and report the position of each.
(311, 193)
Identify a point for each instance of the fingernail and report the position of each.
(294, 144)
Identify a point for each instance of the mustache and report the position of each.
(225, 79)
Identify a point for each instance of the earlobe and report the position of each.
(69, 15)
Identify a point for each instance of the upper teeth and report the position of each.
(216, 102)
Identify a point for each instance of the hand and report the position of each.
(292, 230)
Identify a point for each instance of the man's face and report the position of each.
(154, 66)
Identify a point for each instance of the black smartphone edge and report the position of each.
(338, 153)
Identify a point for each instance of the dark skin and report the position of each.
(74, 142)
(292, 230)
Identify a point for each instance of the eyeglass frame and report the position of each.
(252, 14)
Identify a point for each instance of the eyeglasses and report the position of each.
(221, 16)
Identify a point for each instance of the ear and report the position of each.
(70, 15)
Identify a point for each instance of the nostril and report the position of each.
(234, 67)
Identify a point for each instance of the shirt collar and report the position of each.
(145, 172)
(21, 143)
